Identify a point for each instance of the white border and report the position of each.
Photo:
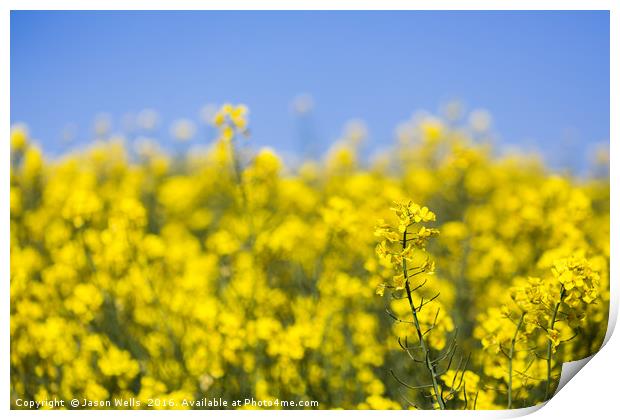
(592, 394)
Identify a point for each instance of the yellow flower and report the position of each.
(554, 336)
(19, 137)
(225, 271)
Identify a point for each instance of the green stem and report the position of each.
(550, 343)
(423, 345)
(510, 357)
(237, 170)
(244, 195)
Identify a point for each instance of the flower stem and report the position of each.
(423, 345)
(238, 173)
(550, 343)
(510, 357)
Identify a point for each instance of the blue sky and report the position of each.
(544, 76)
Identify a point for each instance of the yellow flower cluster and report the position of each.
(226, 273)
(553, 317)
(230, 118)
(401, 247)
(579, 280)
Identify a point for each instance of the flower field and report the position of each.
(439, 275)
